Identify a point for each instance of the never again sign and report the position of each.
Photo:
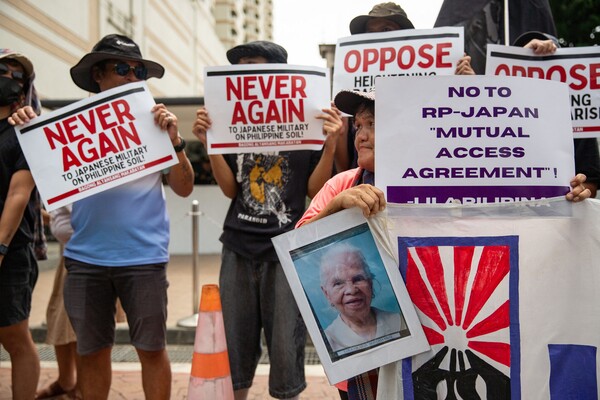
(95, 144)
(266, 107)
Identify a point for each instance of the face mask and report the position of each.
(10, 91)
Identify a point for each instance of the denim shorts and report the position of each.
(255, 295)
(91, 293)
(18, 275)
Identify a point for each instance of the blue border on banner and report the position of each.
(404, 243)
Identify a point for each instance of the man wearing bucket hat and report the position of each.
(18, 266)
(354, 188)
(383, 17)
(268, 192)
(119, 245)
(587, 156)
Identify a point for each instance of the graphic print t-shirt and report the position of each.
(271, 198)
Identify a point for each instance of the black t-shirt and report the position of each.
(587, 159)
(11, 161)
(271, 198)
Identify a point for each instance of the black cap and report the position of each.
(527, 37)
(273, 52)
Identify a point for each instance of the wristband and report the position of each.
(180, 146)
(3, 249)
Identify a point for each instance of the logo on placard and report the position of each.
(462, 295)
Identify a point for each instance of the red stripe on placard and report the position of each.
(263, 144)
(159, 161)
(63, 196)
(586, 129)
(109, 178)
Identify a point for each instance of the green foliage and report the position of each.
(577, 21)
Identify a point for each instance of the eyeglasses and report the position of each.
(16, 75)
(123, 69)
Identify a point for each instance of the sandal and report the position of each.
(53, 391)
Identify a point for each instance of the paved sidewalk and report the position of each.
(126, 383)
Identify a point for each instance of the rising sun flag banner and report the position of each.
(507, 296)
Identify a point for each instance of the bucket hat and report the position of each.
(390, 11)
(347, 101)
(20, 58)
(111, 46)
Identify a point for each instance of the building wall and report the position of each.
(182, 35)
(259, 24)
(230, 19)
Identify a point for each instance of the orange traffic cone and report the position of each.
(210, 377)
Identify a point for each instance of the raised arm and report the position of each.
(19, 191)
(180, 176)
(368, 198)
(220, 169)
(332, 125)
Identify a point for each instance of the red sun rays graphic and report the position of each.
(476, 277)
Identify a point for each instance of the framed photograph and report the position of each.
(351, 294)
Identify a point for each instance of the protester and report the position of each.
(60, 332)
(354, 188)
(119, 246)
(383, 17)
(268, 192)
(347, 283)
(18, 266)
(587, 156)
(386, 17)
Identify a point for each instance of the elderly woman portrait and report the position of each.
(347, 283)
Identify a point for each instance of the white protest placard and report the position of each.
(507, 295)
(265, 107)
(359, 59)
(95, 144)
(378, 290)
(477, 139)
(578, 67)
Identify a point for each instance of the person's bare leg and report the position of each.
(156, 374)
(241, 394)
(24, 359)
(95, 374)
(65, 360)
(67, 365)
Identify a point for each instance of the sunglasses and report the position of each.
(123, 69)
(16, 75)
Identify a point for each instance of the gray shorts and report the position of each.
(90, 295)
(18, 275)
(256, 295)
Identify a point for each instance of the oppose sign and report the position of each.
(578, 67)
(95, 144)
(359, 59)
